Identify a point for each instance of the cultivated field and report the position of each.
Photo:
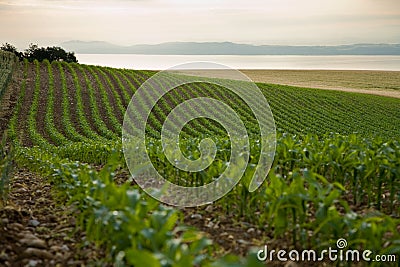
(335, 174)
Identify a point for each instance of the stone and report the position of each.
(35, 242)
(196, 216)
(33, 223)
(250, 230)
(33, 263)
(16, 226)
(34, 252)
(3, 256)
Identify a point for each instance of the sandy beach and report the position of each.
(384, 83)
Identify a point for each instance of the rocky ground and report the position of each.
(37, 230)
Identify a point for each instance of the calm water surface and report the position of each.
(160, 62)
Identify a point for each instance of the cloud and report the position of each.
(69, 4)
(154, 21)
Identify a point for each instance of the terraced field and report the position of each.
(335, 175)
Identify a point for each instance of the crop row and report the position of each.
(295, 110)
(88, 137)
(7, 64)
(336, 167)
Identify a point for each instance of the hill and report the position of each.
(228, 48)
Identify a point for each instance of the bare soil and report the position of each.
(42, 103)
(25, 107)
(58, 96)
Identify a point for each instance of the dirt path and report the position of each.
(383, 83)
(36, 231)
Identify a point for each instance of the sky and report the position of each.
(128, 22)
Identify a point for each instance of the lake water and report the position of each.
(161, 62)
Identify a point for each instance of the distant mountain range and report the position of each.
(228, 48)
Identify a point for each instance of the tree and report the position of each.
(10, 48)
(33, 52)
(59, 54)
(71, 57)
(50, 53)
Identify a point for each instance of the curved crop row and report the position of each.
(105, 101)
(57, 137)
(35, 136)
(70, 130)
(83, 120)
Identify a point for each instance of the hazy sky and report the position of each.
(126, 22)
